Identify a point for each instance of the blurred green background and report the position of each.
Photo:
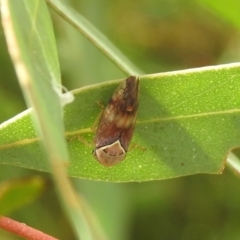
(158, 36)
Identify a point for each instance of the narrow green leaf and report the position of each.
(32, 47)
(187, 123)
(29, 36)
(95, 36)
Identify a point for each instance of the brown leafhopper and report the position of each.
(117, 122)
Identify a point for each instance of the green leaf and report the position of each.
(95, 36)
(31, 45)
(187, 123)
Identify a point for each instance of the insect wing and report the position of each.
(117, 123)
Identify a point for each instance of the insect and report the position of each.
(117, 122)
